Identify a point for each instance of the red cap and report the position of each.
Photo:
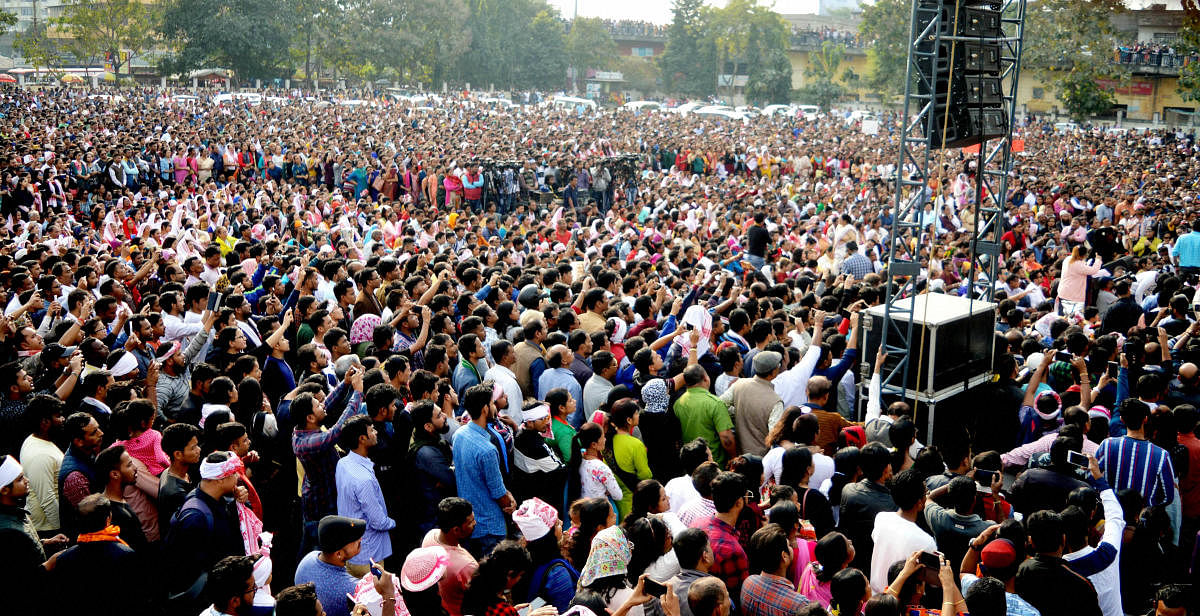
(998, 554)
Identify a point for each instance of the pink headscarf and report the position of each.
(147, 447)
(363, 328)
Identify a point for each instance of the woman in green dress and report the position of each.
(627, 454)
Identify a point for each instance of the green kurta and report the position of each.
(630, 455)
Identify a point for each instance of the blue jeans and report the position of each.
(756, 261)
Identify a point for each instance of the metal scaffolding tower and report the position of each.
(941, 25)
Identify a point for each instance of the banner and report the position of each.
(1136, 87)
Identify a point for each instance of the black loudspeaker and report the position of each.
(952, 342)
(963, 76)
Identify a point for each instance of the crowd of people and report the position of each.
(631, 27)
(815, 36)
(1153, 54)
(302, 359)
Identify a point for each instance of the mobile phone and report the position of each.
(985, 476)
(1077, 458)
(376, 571)
(212, 300)
(1063, 356)
(654, 589)
(932, 560)
(1112, 369)
(533, 605)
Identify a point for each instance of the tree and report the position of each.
(1068, 45)
(688, 61)
(1188, 43)
(248, 36)
(108, 28)
(7, 21)
(536, 58)
(772, 81)
(435, 37)
(641, 74)
(543, 64)
(769, 78)
(590, 45)
(729, 30)
(37, 47)
(821, 87)
(886, 24)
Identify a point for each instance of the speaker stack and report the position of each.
(965, 71)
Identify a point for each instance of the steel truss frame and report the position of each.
(993, 165)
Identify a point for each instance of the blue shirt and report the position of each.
(480, 482)
(1133, 464)
(1187, 250)
(359, 496)
(1015, 605)
(559, 377)
(332, 583)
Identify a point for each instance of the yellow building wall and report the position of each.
(799, 59)
(1146, 96)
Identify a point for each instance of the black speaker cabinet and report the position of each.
(951, 345)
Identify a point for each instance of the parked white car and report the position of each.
(642, 106)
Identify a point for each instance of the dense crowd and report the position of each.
(302, 358)
(1153, 54)
(816, 36)
(630, 27)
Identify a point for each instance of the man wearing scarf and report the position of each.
(206, 528)
(103, 572)
(26, 566)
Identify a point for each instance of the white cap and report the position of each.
(9, 471)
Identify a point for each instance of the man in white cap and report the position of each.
(538, 472)
(754, 403)
(206, 528)
(26, 565)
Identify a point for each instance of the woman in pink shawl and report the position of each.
(144, 445)
(454, 190)
(182, 170)
(361, 331)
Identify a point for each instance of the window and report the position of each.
(1166, 37)
(26, 11)
(642, 52)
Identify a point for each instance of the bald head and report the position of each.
(1187, 372)
(818, 389)
(559, 356)
(707, 596)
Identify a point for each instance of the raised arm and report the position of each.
(1036, 379)
(875, 388)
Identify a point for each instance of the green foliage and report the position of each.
(542, 59)
(886, 23)
(750, 36)
(505, 45)
(1083, 97)
(640, 74)
(251, 37)
(769, 75)
(771, 82)
(36, 46)
(590, 44)
(821, 87)
(1189, 42)
(108, 27)
(689, 60)
(7, 21)
(1068, 44)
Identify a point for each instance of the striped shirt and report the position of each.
(1134, 464)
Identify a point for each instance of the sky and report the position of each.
(657, 11)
